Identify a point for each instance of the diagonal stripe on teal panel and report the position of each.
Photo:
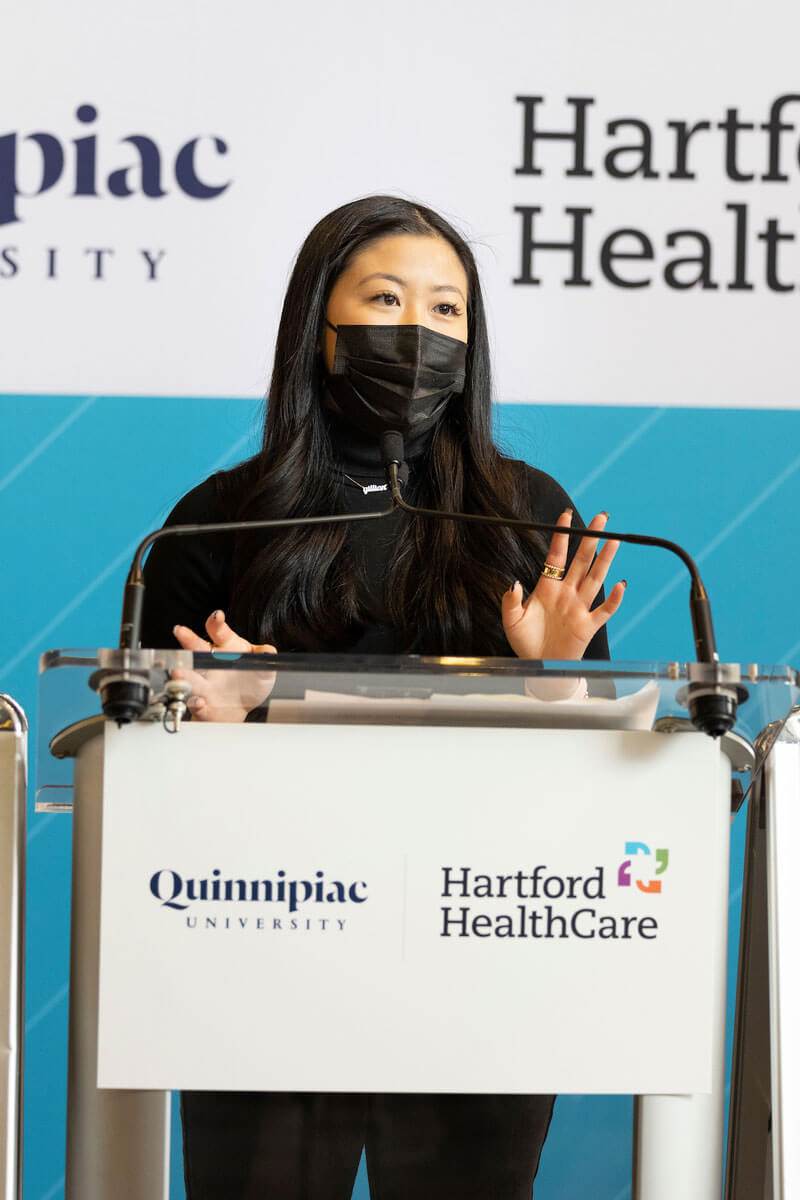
(58, 995)
(123, 557)
(617, 453)
(709, 548)
(46, 442)
(56, 1190)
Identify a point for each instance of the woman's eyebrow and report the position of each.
(381, 275)
(450, 287)
(442, 287)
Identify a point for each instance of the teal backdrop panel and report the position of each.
(84, 478)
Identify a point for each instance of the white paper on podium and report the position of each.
(398, 976)
(635, 711)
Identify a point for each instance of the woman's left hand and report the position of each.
(557, 620)
(224, 695)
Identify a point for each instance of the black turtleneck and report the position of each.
(360, 467)
(187, 578)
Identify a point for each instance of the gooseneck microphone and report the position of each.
(712, 707)
(125, 690)
(130, 630)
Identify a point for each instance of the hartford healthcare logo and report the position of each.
(544, 903)
(279, 903)
(645, 867)
(738, 148)
(91, 170)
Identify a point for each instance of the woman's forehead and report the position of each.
(413, 259)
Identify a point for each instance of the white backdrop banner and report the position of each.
(501, 927)
(629, 175)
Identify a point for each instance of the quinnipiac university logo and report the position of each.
(90, 168)
(278, 903)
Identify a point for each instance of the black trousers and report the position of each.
(303, 1146)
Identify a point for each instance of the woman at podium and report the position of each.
(383, 326)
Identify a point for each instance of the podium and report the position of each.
(13, 772)
(522, 868)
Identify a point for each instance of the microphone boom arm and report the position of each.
(130, 630)
(702, 625)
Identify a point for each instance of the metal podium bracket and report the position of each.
(106, 1129)
(739, 752)
(749, 1115)
(13, 754)
(751, 1171)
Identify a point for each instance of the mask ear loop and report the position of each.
(319, 344)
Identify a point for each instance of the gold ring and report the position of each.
(551, 572)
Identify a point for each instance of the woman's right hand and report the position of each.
(223, 695)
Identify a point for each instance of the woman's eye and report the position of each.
(449, 310)
(387, 298)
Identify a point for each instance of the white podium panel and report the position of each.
(408, 909)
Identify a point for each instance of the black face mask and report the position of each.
(395, 376)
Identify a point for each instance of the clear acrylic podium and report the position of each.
(117, 1137)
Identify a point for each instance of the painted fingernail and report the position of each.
(624, 582)
(605, 514)
(217, 614)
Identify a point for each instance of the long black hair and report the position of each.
(298, 588)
